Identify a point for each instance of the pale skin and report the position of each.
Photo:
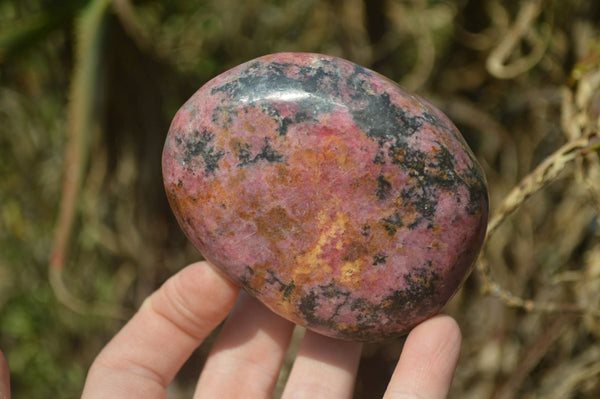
(144, 357)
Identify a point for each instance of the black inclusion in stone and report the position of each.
(383, 188)
(423, 198)
(246, 278)
(442, 170)
(284, 288)
(288, 289)
(477, 190)
(334, 296)
(408, 158)
(421, 287)
(392, 224)
(260, 81)
(422, 283)
(243, 153)
(199, 145)
(365, 230)
(267, 153)
(308, 306)
(322, 80)
(285, 123)
(379, 259)
(223, 115)
(426, 205)
(380, 118)
(261, 85)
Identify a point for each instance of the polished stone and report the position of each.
(341, 201)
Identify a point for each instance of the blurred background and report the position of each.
(88, 89)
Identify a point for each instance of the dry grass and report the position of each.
(520, 79)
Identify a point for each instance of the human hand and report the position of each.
(143, 358)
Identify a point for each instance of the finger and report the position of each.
(246, 358)
(428, 361)
(324, 368)
(142, 359)
(4, 378)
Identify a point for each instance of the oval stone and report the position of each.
(342, 202)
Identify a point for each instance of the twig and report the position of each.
(497, 61)
(541, 176)
(567, 379)
(485, 39)
(418, 26)
(125, 11)
(532, 356)
(491, 287)
(77, 305)
(80, 125)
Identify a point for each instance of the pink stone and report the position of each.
(342, 202)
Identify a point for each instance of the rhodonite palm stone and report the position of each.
(342, 202)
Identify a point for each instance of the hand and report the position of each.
(143, 358)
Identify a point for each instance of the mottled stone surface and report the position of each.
(342, 202)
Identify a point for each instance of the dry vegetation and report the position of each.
(87, 91)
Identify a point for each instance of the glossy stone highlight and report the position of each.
(342, 202)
